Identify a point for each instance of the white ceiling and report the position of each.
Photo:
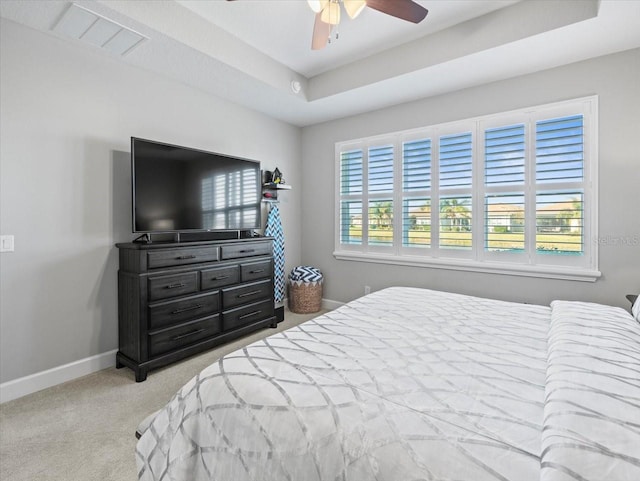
(249, 51)
(282, 29)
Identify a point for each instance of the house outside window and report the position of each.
(512, 193)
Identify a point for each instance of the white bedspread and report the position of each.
(592, 408)
(403, 384)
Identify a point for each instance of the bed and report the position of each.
(414, 384)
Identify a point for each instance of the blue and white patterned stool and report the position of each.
(305, 290)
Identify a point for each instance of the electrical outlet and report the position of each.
(6, 243)
(367, 290)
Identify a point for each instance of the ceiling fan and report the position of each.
(328, 14)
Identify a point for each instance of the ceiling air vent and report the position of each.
(82, 24)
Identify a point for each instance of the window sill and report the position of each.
(547, 272)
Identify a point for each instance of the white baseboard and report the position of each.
(51, 377)
(331, 305)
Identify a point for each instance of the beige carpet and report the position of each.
(84, 429)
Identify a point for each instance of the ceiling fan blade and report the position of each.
(321, 32)
(405, 9)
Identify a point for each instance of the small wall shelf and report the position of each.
(270, 191)
(272, 186)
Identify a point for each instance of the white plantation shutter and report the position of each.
(380, 169)
(380, 198)
(351, 172)
(351, 187)
(455, 203)
(504, 156)
(416, 193)
(416, 165)
(560, 150)
(504, 196)
(513, 192)
(456, 161)
(559, 178)
(504, 226)
(559, 223)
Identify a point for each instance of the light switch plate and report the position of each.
(6, 243)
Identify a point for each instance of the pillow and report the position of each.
(635, 309)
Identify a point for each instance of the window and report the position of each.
(512, 193)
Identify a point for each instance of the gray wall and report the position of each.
(66, 118)
(614, 78)
(67, 115)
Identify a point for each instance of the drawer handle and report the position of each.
(247, 251)
(186, 257)
(175, 286)
(247, 294)
(182, 336)
(249, 315)
(185, 309)
(219, 278)
(257, 271)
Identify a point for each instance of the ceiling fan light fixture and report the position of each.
(317, 5)
(354, 7)
(331, 13)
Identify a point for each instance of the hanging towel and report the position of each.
(274, 229)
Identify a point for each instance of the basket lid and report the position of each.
(305, 274)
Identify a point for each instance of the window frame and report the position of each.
(479, 258)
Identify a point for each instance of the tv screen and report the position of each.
(177, 189)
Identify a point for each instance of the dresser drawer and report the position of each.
(175, 337)
(256, 270)
(164, 287)
(169, 313)
(234, 296)
(249, 249)
(241, 316)
(219, 276)
(181, 257)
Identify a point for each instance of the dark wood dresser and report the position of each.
(178, 299)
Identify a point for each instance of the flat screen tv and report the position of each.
(179, 189)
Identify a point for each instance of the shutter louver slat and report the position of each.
(504, 155)
(560, 150)
(351, 222)
(416, 222)
(455, 222)
(456, 154)
(351, 172)
(504, 222)
(381, 169)
(559, 223)
(380, 222)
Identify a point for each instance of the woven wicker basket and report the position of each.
(305, 298)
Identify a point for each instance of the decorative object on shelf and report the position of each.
(305, 290)
(273, 182)
(277, 177)
(274, 229)
(270, 195)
